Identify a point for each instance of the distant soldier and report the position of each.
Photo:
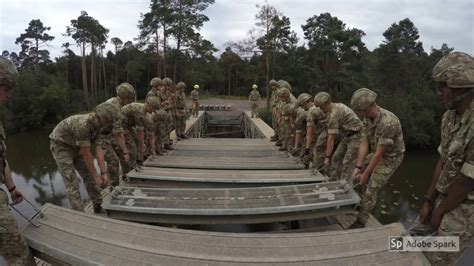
(71, 142)
(195, 100)
(283, 84)
(344, 122)
(273, 103)
(182, 111)
(135, 122)
(300, 123)
(254, 98)
(157, 86)
(114, 146)
(13, 246)
(170, 109)
(382, 137)
(285, 122)
(449, 202)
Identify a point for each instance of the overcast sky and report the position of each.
(438, 21)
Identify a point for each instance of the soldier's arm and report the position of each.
(363, 150)
(309, 136)
(89, 161)
(100, 155)
(15, 193)
(141, 140)
(120, 139)
(329, 147)
(374, 161)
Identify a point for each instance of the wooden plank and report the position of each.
(266, 204)
(172, 177)
(73, 237)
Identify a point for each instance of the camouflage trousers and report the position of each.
(343, 159)
(457, 222)
(168, 126)
(254, 108)
(113, 157)
(195, 108)
(160, 121)
(68, 160)
(285, 133)
(274, 121)
(131, 142)
(181, 122)
(13, 246)
(319, 149)
(379, 177)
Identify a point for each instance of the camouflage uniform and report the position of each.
(181, 111)
(254, 98)
(384, 130)
(65, 141)
(456, 154)
(273, 102)
(135, 118)
(113, 153)
(195, 102)
(13, 246)
(342, 120)
(159, 123)
(316, 118)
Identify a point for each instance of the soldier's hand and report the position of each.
(364, 178)
(425, 212)
(356, 174)
(327, 161)
(436, 219)
(17, 196)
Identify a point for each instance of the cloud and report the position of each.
(438, 21)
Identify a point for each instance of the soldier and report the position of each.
(135, 122)
(449, 202)
(273, 102)
(157, 86)
(300, 123)
(285, 123)
(254, 98)
(344, 122)
(195, 100)
(382, 136)
(279, 110)
(13, 246)
(114, 146)
(182, 111)
(71, 142)
(170, 109)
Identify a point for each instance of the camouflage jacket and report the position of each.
(300, 121)
(343, 120)
(117, 126)
(3, 153)
(384, 130)
(274, 98)
(153, 92)
(77, 131)
(195, 95)
(254, 95)
(181, 100)
(134, 116)
(456, 148)
(315, 117)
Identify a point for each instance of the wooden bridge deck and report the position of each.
(230, 206)
(70, 237)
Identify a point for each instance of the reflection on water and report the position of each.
(35, 173)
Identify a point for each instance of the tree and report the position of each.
(229, 61)
(118, 45)
(31, 41)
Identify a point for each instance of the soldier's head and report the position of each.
(254, 86)
(273, 84)
(284, 84)
(196, 87)
(284, 94)
(152, 103)
(106, 114)
(363, 103)
(168, 83)
(304, 101)
(156, 82)
(8, 78)
(181, 86)
(323, 101)
(126, 93)
(454, 75)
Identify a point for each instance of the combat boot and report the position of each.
(274, 138)
(183, 136)
(278, 143)
(97, 208)
(282, 148)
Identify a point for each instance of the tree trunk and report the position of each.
(164, 49)
(93, 81)
(158, 66)
(116, 68)
(84, 75)
(267, 77)
(104, 75)
(230, 84)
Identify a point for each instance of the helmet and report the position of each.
(8, 73)
(439, 72)
(156, 82)
(321, 98)
(284, 84)
(461, 75)
(362, 99)
(283, 92)
(302, 98)
(108, 111)
(125, 90)
(181, 85)
(273, 83)
(153, 102)
(254, 86)
(196, 86)
(168, 81)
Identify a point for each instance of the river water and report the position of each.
(35, 173)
